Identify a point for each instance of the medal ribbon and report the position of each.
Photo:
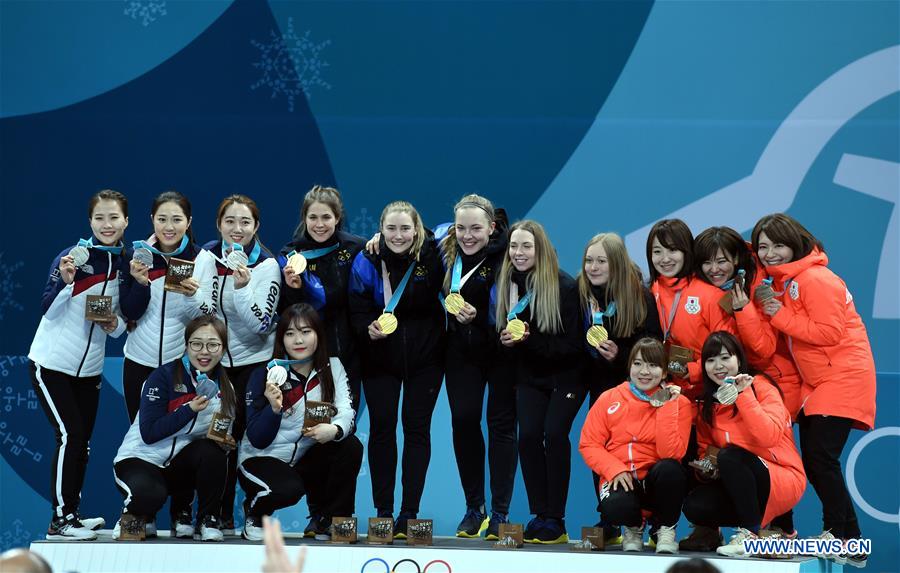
(667, 328)
(286, 363)
(145, 245)
(729, 284)
(315, 253)
(457, 281)
(89, 244)
(598, 316)
(200, 377)
(392, 299)
(520, 305)
(640, 394)
(254, 253)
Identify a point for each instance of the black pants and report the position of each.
(133, 377)
(822, 439)
(661, 492)
(545, 418)
(738, 498)
(326, 474)
(420, 393)
(239, 376)
(70, 404)
(466, 380)
(199, 467)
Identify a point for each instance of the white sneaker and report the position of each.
(209, 530)
(633, 538)
(665, 540)
(68, 528)
(253, 530)
(117, 530)
(825, 536)
(735, 546)
(183, 526)
(92, 523)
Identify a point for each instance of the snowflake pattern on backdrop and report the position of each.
(363, 224)
(290, 64)
(147, 11)
(8, 285)
(15, 536)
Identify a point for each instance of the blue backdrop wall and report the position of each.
(588, 116)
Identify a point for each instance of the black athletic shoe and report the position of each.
(532, 528)
(553, 531)
(493, 529)
(473, 523)
(312, 528)
(400, 524)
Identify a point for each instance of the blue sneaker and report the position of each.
(532, 528)
(493, 529)
(473, 523)
(552, 532)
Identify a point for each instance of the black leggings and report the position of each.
(822, 439)
(737, 499)
(70, 404)
(420, 393)
(199, 467)
(661, 492)
(466, 380)
(326, 474)
(239, 376)
(545, 418)
(133, 377)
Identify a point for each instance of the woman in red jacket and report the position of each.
(688, 308)
(760, 475)
(831, 349)
(634, 438)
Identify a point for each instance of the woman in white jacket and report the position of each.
(240, 282)
(279, 460)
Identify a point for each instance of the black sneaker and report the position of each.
(858, 561)
(702, 538)
(493, 529)
(473, 523)
(532, 528)
(227, 524)
(312, 527)
(552, 532)
(612, 534)
(400, 524)
(68, 528)
(323, 529)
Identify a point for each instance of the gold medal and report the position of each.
(597, 334)
(297, 262)
(388, 322)
(516, 329)
(454, 303)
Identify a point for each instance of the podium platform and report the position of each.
(169, 555)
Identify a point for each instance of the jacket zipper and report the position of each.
(175, 440)
(225, 317)
(94, 324)
(162, 329)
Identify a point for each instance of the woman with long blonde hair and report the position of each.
(538, 319)
(394, 309)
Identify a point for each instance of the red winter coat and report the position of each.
(762, 426)
(624, 433)
(827, 339)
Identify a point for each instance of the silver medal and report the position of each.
(236, 259)
(80, 255)
(277, 375)
(727, 394)
(144, 256)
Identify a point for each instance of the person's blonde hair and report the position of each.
(406, 207)
(543, 282)
(625, 286)
(449, 245)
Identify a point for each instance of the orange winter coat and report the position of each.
(762, 426)
(827, 339)
(698, 314)
(624, 433)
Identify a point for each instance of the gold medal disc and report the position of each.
(516, 329)
(597, 334)
(454, 303)
(388, 322)
(298, 263)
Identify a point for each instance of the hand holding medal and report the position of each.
(727, 393)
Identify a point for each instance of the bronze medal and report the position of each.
(516, 329)
(297, 262)
(596, 335)
(660, 397)
(454, 303)
(763, 293)
(388, 322)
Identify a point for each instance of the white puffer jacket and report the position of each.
(65, 341)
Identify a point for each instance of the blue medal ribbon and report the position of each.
(395, 298)
(251, 258)
(145, 245)
(597, 317)
(89, 244)
(200, 377)
(286, 363)
(770, 281)
(313, 254)
(729, 284)
(520, 306)
(456, 276)
(640, 394)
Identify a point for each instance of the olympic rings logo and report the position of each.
(851, 474)
(413, 563)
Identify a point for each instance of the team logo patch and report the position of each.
(794, 291)
(152, 394)
(613, 407)
(692, 306)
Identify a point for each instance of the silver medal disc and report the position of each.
(660, 397)
(80, 255)
(277, 375)
(145, 257)
(237, 259)
(727, 394)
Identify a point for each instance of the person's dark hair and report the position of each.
(295, 316)
(784, 229)
(225, 386)
(254, 212)
(181, 201)
(733, 246)
(675, 235)
(715, 343)
(652, 351)
(108, 195)
(692, 565)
